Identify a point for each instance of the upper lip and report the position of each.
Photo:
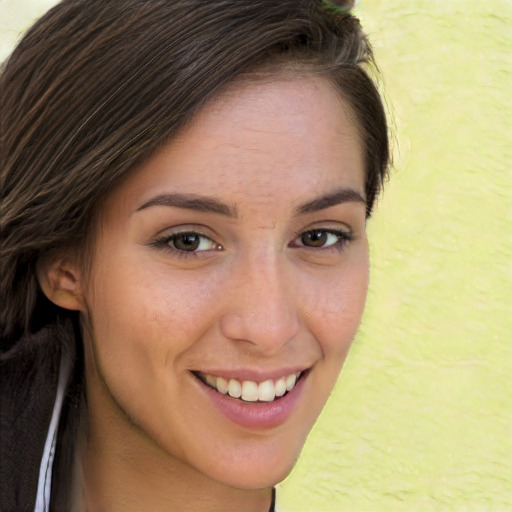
(256, 375)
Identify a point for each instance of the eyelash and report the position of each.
(166, 241)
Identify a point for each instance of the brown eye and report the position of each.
(323, 239)
(316, 238)
(186, 241)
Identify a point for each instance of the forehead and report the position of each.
(262, 114)
(287, 137)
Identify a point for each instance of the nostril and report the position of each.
(264, 322)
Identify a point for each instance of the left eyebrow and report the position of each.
(190, 202)
(343, 195)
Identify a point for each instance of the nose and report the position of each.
(261, 304)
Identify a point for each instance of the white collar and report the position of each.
(44, 485)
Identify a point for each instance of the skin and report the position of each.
(256, 297)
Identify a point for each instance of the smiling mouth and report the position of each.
(251, 391)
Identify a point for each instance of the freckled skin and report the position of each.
(259, 300)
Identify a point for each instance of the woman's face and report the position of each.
(233, 260)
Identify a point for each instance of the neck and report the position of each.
(117, 475)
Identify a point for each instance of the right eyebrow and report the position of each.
(342, 195)
(190, 202)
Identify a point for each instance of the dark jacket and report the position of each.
(28, 382)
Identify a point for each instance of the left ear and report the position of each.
(61, 280)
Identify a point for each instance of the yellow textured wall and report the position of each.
(421, 419)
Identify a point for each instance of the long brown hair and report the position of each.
(95, 87)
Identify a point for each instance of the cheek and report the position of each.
(146, 322)
(138, 307)
(336, 306)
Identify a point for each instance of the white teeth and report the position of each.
(250, 391)
(281, 387)
(211, 380)
(235, 388)
(222, 385)
(290, 381)
(267, 391)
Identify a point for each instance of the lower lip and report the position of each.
(256, 415)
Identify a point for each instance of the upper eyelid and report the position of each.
(179, 230)
(326, 223)
(330, 229)
(172, 235)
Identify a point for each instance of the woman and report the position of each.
(185, 188)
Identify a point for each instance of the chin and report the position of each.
(257, 478)
(256, 469)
